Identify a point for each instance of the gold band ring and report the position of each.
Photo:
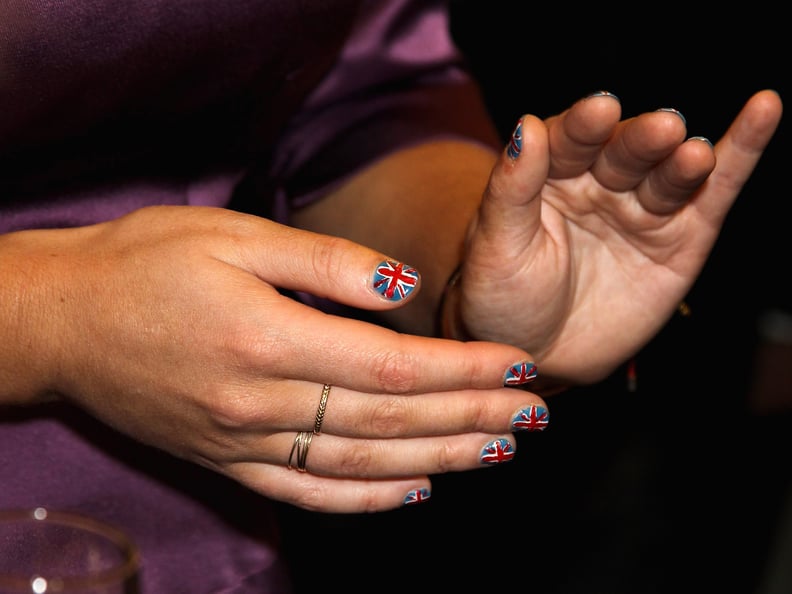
(321, 410)
(303, 439)
(301, 444)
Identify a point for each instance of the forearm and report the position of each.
(28, 327)
(415, 205)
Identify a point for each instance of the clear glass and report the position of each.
(53, 552)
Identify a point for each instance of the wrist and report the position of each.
(449, 317)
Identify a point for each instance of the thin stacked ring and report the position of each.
(321, 410)
(303, 439)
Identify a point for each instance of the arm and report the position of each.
(580, 248)
(416, 203)
(167, 325)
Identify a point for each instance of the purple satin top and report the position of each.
(107, 106)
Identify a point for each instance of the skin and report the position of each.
(579, 250)
(167, 324)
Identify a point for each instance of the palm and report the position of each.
(587, 243)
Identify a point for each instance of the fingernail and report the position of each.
(515, 144)
(531, 418)
(417, 496)
(395, 280)
(702, 139)
(495, 452)
(520, 374)
(676, 111)
(602, 94)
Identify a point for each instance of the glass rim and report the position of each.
(124, 571)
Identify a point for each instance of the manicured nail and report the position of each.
(394, 280)
(515, 144)
(417, 496)
(602, 94)
(531, 418)
(702, 139)
(520, 374)
(497, 451)
(676, 111)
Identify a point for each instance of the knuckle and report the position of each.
(327, 259)
(234, 412)
(388, 418)
(312, 498)
(369, 500)
(357, 461)
(444, 457)
(395, 372)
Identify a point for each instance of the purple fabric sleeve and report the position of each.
(110, 110)
(400, 81)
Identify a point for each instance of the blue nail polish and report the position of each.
(394, 280)
(417, 496)
(532, 418)
(515, 144)
(495, 452)
(520, 374)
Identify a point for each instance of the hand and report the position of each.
(587, 242)
(167, 325)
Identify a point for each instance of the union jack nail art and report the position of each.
(533, 418)
(417, 496)
(395, 280)
(515, 144)
(520, 374)
(495, 452)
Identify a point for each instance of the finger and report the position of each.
(671, 184)
(636, 147)
(510, 210)
(370, 358)
(340, 457)
(334, 495)
(738, 152)
(348, 413)
(327, 267)
(577, 135)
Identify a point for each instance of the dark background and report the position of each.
(678, 486)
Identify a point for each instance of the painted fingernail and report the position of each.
(515, 144)
(520, 374)
(495, 452)
(395, 280)
(417, 496)
(676, 111)
(602, 94)
(702, 139)
(531, 418)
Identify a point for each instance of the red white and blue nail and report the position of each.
(532, 418)
(395, 280)
(495, 452)
(417, 496)
(520, 374)
(515, 144)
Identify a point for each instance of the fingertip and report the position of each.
(395, 281)
(523, 128)
(602, 93)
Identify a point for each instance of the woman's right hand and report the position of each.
(167, 324)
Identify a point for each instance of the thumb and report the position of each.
(510, 210)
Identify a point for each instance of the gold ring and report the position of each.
(302, 442)
(321, 410)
